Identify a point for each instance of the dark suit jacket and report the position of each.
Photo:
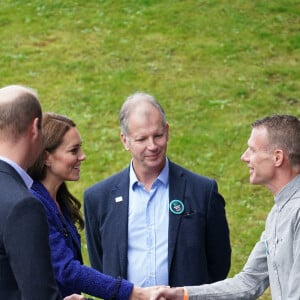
(199, 245)
(25, 265)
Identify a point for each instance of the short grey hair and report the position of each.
(131, 102)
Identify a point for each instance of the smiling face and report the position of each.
(147, 139)
(64, 162)
(260, 160)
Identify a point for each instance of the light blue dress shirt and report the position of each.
(148, 223)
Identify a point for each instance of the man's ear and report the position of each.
(35, 128)
(278, 157)
(167, 129)
(124, 141)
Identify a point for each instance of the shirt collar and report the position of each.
(162, 177)
(26, 178)
(287, 192)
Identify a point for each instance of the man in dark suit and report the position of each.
(25, 264)
(156, 223)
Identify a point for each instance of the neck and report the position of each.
(51, 187)
(146, 177)
(20, 154)
(282, 180)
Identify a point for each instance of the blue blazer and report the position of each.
(199, 246)
(25, 264)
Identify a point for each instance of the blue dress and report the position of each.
(70, 273)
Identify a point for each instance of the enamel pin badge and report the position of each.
(119, 199)
(176, 207)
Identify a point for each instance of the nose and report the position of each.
(244, 156)
(81, 156)
(151, 143)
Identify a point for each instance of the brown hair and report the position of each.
(55, 127)
(284, 133)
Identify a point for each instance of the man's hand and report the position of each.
(146, 293)
(167, 293)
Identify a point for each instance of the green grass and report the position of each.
(215, 66)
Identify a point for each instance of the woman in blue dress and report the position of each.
(59, 162)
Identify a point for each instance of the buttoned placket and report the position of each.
(273, 252)
(150, 221)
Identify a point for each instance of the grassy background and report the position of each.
(215, 66)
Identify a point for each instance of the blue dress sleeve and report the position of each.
(71, 275)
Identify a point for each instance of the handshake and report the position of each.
(148, 293)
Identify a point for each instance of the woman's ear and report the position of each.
(48, 159)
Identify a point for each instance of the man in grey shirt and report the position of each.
(273, 159)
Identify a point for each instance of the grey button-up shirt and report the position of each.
(274, 261)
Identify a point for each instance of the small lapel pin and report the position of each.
(119, 199)
(176, 207)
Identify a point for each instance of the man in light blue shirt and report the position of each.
(155, 222)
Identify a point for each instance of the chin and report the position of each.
(156, 163)
(254, 182)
